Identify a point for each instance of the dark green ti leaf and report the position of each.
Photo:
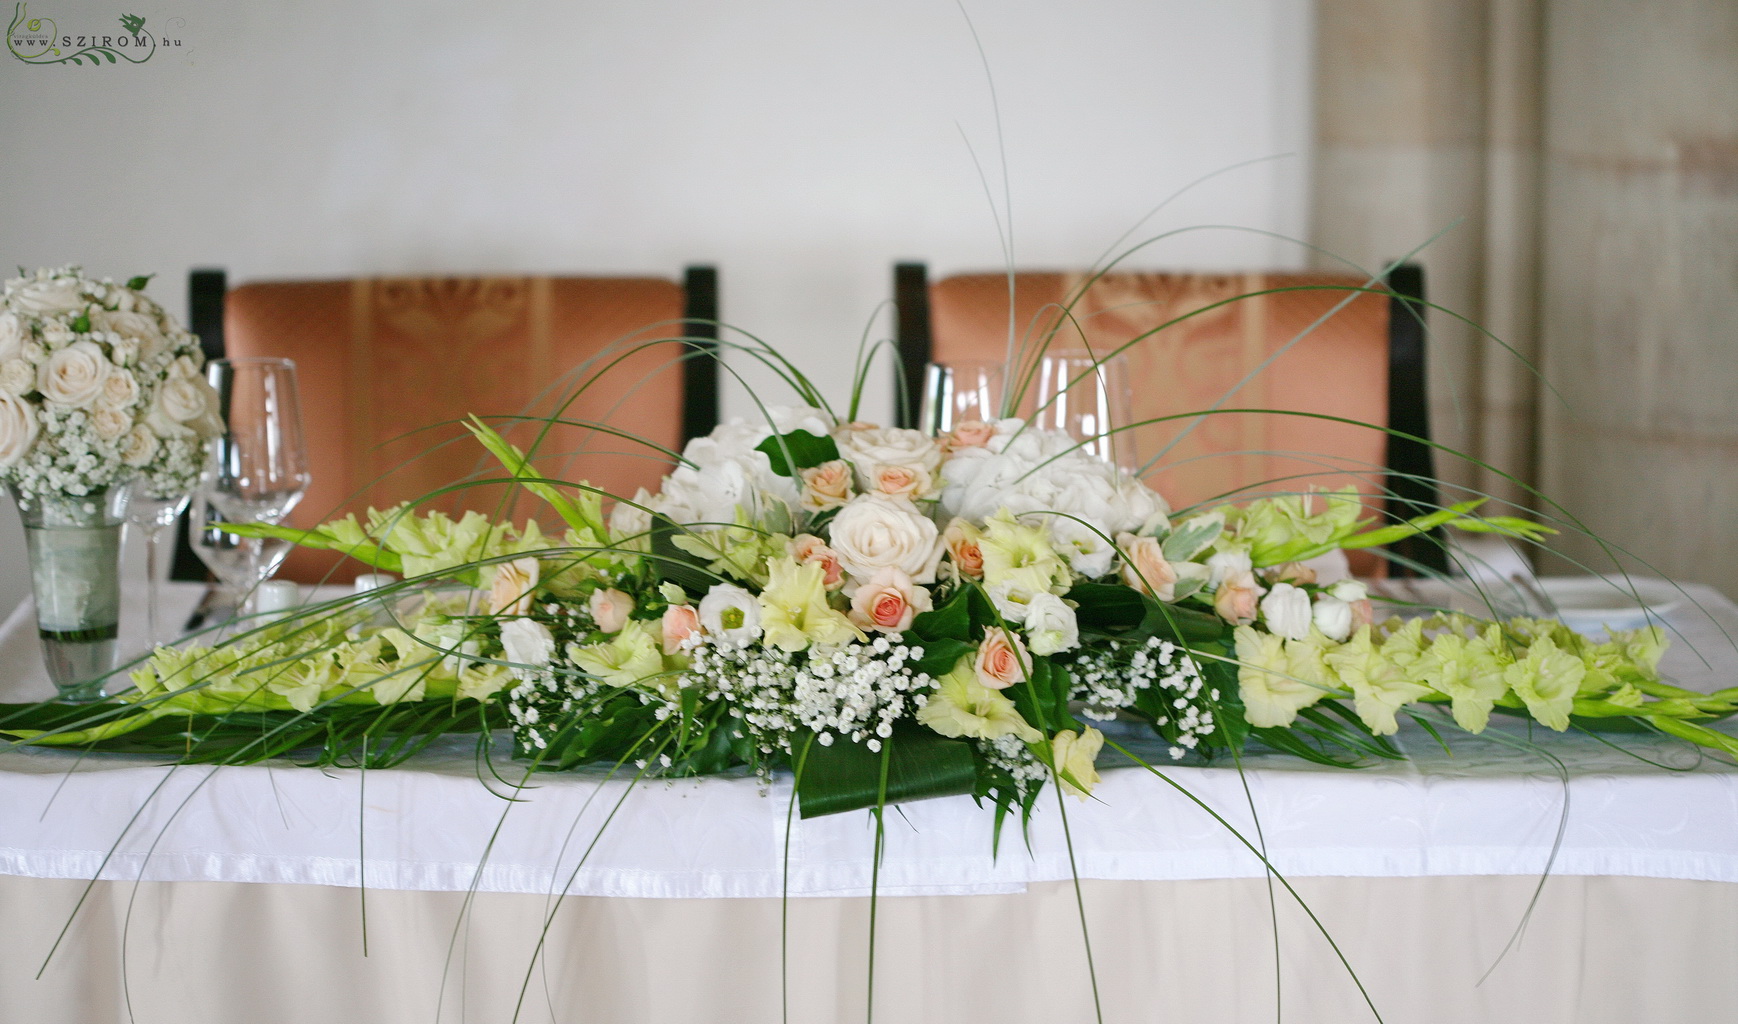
(797, 450)
(847, 776)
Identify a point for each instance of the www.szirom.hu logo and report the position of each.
(41, 41)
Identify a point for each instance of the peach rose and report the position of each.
(826, 486)
(971, 434)
(510, 592)
(1002, 659)
(900, 481)
(1363, 613)
(806, 548)
(888, 602)
(1145, 567)
(1292, 572)
(962, 539)
(610, 609)
(1237, 598)
(681, 621)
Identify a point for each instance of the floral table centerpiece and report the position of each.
(98, 386)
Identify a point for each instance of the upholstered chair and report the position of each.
(1314, 344)
(389, 367)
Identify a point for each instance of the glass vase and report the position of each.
(75, 554)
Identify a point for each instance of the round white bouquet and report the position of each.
(98, 386)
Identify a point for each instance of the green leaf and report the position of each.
(921, 764)
(940, 656)
(951, 621)
(674, 565)
(1189, 541)
(367, 553)
(138, 283)
(584, 515)
(81, 324)
(1042, 700)
(797, 450)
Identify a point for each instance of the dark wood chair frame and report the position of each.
(207, 288)
(1411, 462)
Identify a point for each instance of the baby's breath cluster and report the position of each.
(854, 690)
(1111, 678)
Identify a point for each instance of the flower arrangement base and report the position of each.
(75, 549)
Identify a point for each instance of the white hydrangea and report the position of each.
(722, 470)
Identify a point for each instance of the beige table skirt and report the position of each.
(1597, 949)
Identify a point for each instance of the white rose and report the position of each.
(527, 642)
(110, 422)
(1333, 617)
(139, 447)
(888, 446)
(120, 389)
(16, 377)
(1286, 610)
(874, 531)
(45, 298)
(188, 401)
(1051, 626)
(730, 613)
(18, 428)
(137, 326)
(74, 375)
(11, 337)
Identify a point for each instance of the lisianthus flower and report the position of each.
(1051, 625)
(730, 613)
(961, 706)
(527, 642)
(1074, 755)
(793, 608)
(1286, 610)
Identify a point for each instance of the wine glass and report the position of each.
(255, 472)
(960, 392)
(148, 516)
(1088, 398)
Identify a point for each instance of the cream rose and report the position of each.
(18, 428)
(963, 542)
(74, 375)
(888, 446)
(971, 434)
(137, 326)
(1002, 660)
(45, 298)
(888, 602)
(16, 377)
(1235, 600)
(120, 389)
(874, 532)
(680, 622)
(11, 337)
(610, 609)
(806, 548)
(139, 447)
(1145, 567)
(189, 402)
(510, 592)
(900, 481)
(110, 422)
(826, 486)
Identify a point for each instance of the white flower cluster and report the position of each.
(98, 385)
(1111, 677)
(855, 690)
(1014, 755)
(722, 470)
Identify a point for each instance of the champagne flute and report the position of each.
(1088, 398)
(960, 392)
(148, 516)
(255, 472)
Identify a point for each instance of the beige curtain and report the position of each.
(1587, 156)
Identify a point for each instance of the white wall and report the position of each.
(802, 146)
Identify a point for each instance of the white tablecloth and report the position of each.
(1491, 805)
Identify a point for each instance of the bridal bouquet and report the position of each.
(98, 385)
(890, 615)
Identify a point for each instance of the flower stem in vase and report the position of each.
(75, 549)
